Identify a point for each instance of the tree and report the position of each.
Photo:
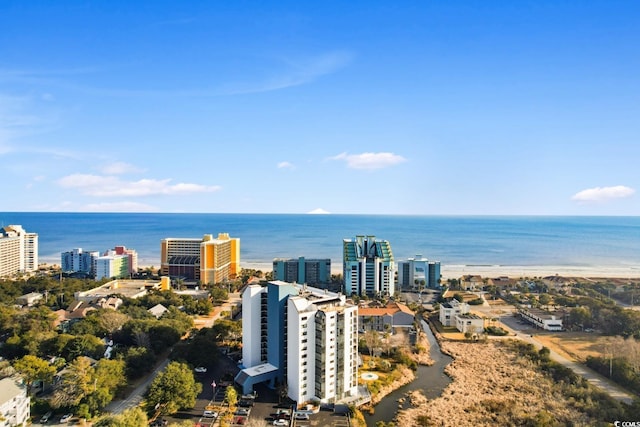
(173, 389)
(544, 299)
(75, 384)
(372, 340)
(610, 347)
(32, 368)
(231, 396)
(111, 320)
(132, 417)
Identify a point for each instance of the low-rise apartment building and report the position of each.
(542, 319)
(449, 310)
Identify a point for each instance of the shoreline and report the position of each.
(486, 271)
(513, 271)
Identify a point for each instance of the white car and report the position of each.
(301, 416)
(65, 418)
(210, 414)
(200, 369)
(280, 422)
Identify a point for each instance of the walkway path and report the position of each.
(593, 377)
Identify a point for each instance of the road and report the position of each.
(135, 398)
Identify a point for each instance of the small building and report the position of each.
(127, 288)
(542, 319)
(15, 404)
(158, 310)
(449, 311)
(394, 315)
(30, 299)
(471, 323)
(471, 282)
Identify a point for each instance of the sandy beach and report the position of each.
(491, 271)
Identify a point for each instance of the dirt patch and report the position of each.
(576, 346)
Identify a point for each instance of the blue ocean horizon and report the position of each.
(584, 241)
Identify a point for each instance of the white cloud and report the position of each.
(602, 194)
(370, 160)
(285, 165)
(318, 211)
(110, 186)
(119, 168)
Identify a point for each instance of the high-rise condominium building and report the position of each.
(112, 265)
(18, 250)
(368, 266)
(304, 337)
(301, 270)
(78, 260)
(418, 273)
(131, 254)
(208, 260)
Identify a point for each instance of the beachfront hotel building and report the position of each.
(112, 265)
(301, 270)
(79, 261)
(301, 336)
(132, 256)
(18, 250)
(368, 266)
(418, 273)
(208, 260)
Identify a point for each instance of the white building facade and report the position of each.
(112, 265)
(418, 273)
(368, 266)
(304, 337)
(78, 260)
(18, 250)
(449, 311)
(15, 404)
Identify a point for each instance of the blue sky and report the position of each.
(414, 107)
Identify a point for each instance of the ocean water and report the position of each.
(452, 240)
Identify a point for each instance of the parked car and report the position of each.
(301, 416)
(280, 422)
(242, 411)
(65, 418)
(210, 414)
(45, 417)
(200, 369)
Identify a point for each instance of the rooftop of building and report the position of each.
(469, 316)
(10, 387)
(389, 310)
(541, 314)
(126, 288)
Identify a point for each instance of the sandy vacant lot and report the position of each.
(573, 345)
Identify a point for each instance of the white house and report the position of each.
(15, 405)
(469, 323)
(30, 299)
(449, 311)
